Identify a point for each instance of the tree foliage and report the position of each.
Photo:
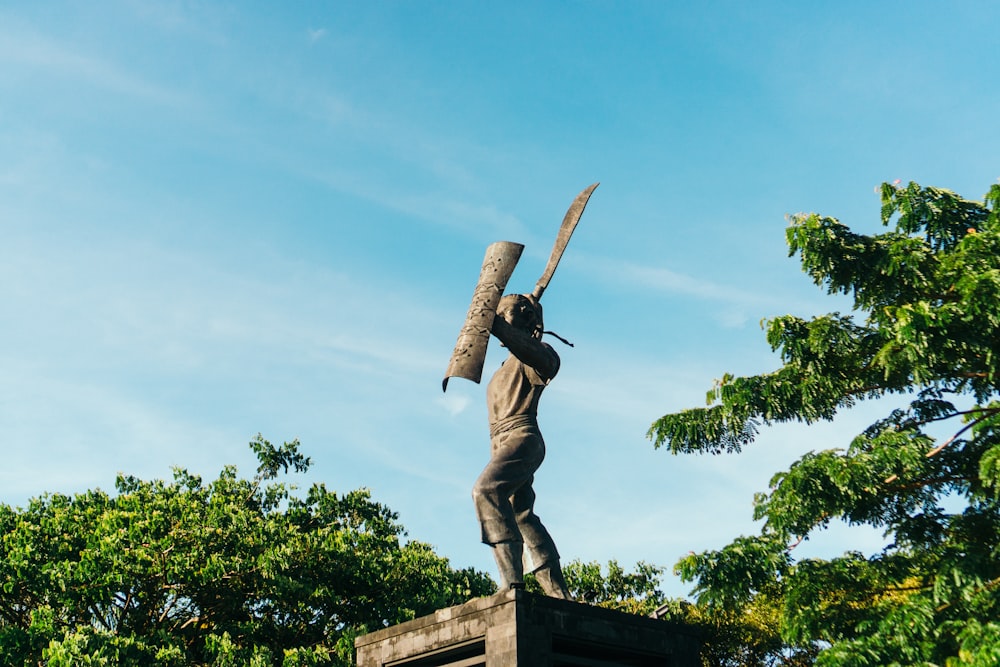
(926, 329)
(636, 592)
(745, 638)
(230, 572)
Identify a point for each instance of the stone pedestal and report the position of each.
(520, 629)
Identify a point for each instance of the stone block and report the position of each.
(520, 629)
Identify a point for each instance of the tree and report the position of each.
(747, 638)
(925, 330)
(231, 572)
(635, 592)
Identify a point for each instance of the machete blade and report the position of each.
(562, 239)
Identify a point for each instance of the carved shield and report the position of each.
(470, 351)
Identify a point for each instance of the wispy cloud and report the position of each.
(662, 279)
(97, 320)
(441, 208)
(28, 50)
(453, 405)
(74, 433)
(202, 22)
(734, 305)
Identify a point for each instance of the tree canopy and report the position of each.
(925, 329)
(230, 572)
(747, 638)
(636, 592)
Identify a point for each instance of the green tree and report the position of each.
(230, 572)
(635, 592)
(925, 329)
(745, 638)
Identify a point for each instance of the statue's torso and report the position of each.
(514, 391)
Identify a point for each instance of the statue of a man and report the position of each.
(503, 495)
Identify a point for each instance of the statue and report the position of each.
(503, 495)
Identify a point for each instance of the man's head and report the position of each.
(523, 312)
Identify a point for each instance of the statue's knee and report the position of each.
(483, 493)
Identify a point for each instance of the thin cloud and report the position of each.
(25, 49)
(482, 221)
(205, 332)
(453, 404)
(78, 422)
(665, 280)
(737, 302)
(178, 19)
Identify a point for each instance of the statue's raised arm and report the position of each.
(518, 325)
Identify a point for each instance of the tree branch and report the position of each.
(992, 583)
(989, 412)
(167, 609)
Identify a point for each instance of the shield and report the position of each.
(470, 351)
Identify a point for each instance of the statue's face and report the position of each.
(521, 314)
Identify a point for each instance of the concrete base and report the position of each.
(520, 629)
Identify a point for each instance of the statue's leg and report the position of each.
(511, 466)
(509, 557)
(491, 498)
(541, 548)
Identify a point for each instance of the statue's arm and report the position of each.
(527, 348)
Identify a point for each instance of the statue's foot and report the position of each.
(550, 578)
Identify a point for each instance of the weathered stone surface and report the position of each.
(520, 629)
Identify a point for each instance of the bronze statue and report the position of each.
(503, 495)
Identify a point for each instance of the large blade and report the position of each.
(562, 239)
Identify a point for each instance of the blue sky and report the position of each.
(219, 219)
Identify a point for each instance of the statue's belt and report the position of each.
(511, 423)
